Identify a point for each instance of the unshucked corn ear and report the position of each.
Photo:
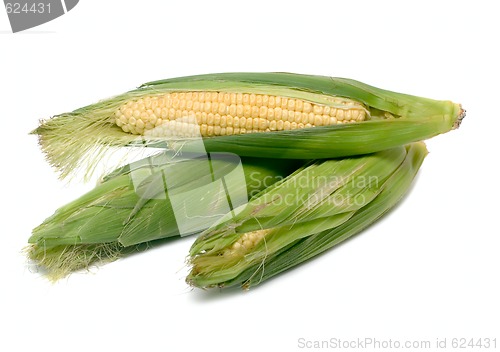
(301, 216)
(151, 199)
(278, 115)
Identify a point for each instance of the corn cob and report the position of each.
(224, 113)
(132, 207)
(336, 199)
(278, 115)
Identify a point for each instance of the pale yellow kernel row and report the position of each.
(213, 101)
(246, 242)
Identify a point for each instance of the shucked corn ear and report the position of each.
(225, 113)
(278, 115)
(139, 203)
(301, 216)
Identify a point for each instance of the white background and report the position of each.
(429, 270)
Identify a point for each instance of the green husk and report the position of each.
(78, 140)
(311, 225)
(133, 205)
